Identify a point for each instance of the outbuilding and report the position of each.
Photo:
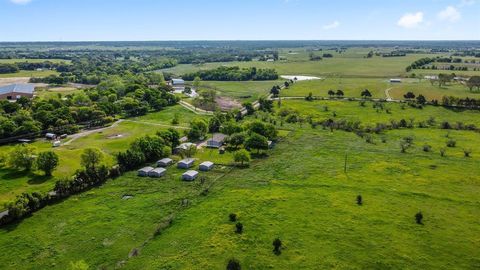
(51, 136)
(190, 175)
(16, 91)
(206, 166)
(186, 163)
(157, 173)
(144, 171)
(183, 147)
(217, 140)
(165, 162)
(395, 80)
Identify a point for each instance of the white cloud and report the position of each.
(21, 2)
(465, 3)
(332, 25)
(450, 14)
(411, 20)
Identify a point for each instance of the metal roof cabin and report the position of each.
(206, 166)
(190, 175)
(186, 163)
(157, 173)
(217, 140)
(165, 162)
(144, 171)
(178, 82)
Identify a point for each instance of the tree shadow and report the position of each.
(39, 179)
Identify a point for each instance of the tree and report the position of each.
(171, 136)
(409, 95)
(331, 93)
(196, 83)
(233, 264)
(22, 157)
(198, 129)
(277, 245)
(236, 140)
(232, 217)
(421, 100)
(266, 105)
(242, 156)
(257, 142)
(274, 91)
(474, 81)
(366, 93)
(249, 108)
(419, 218)
(47, 162)
(339, 93)
(90, 158)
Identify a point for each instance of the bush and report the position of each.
(277, 245)
(232, 217)
(239, 228)
(233, 264)
(451, 143)
(443, 152)
(22, 157)
(359, 200)
(427, 148)
(467, 152)
(47, 162)
(419, 218)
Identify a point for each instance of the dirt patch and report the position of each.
(226, 103)
(115, 136)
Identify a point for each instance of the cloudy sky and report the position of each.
(76, 20)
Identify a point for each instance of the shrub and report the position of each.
(22, 157)
(359, 200)
(233, 264)
(451, 143)
(277, 245)
(467, 152)
(232, 217)
(427, 148)
(239, 227)
(443, 152)
(419, 218)
(242, 156)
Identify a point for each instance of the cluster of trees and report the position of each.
(16, 67)
(25, 158)
(252, 135)
(97, 106)
(424, 63)
(93, 173)
(148, 149)
(233, 74)
(473, 82)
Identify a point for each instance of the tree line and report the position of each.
(233, 74)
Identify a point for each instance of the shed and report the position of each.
(183, 146)
(144, 171)
(16, 91)
(51, 136)
(190, 175)
(56, 143)
(165, 162)
(206, 166)
(158, 172)
(186, 163)
(217, 140)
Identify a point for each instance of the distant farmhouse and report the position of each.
(16, 91)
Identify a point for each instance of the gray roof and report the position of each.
(187, 161)
(178, 81)
(165, 160)
(191, 173)
(146, 169)
(24, 88)
(218, 137)
(158, 170)
(207, 163)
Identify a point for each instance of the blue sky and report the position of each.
(94, 20)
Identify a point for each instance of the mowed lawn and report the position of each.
(30, 73)
(241, 91)
(110, 141)
(300, 194)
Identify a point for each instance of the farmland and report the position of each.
(402, 157)
(300, 193)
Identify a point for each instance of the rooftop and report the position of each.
(17, 88)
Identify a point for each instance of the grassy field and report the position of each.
(351, 63)
(30, 73)
(242, 91)
(13, 183)
(300, 194)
